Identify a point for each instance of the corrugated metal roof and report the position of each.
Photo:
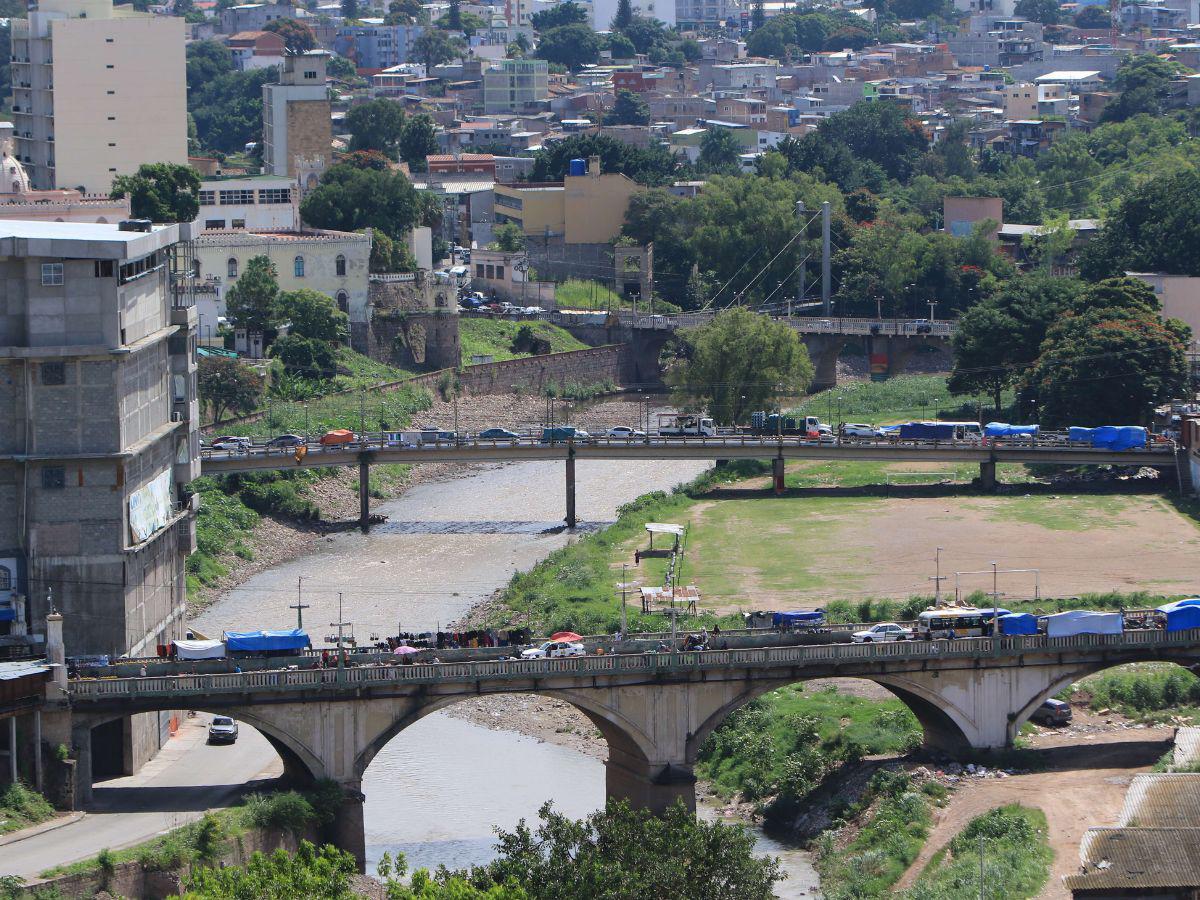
(1162, 800)
(1132, 858)
(1187, 746)
(22, 668)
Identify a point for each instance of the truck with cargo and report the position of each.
(968, 432)
(768, 424)
(685, 425)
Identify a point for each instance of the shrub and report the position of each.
(286, 811)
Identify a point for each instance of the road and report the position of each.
(171, 790)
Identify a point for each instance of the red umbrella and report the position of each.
(568, 636)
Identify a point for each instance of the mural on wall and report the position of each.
(150, 507)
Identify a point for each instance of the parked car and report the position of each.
(222, 730)
(625, 432)
(286, 440)
(1052, 712)
(558, 434)
(884, 631)
(553, 649)
(232, 444)
(498, 434)
(338, 436)
(856, 430)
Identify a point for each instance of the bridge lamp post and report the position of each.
(995, 608)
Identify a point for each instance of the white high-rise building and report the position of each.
(96, 93)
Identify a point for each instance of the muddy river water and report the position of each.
(440, 787)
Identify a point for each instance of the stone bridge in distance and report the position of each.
(654, 709)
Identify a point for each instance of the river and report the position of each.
(437, 791)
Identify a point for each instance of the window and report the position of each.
(500, 272)
(54, 478)
(237, 198)
(54, 373)
(6, 580)
(208, 198)
(478, 270)
(298, 267)
(309, 74)
(491, 272)
(52, 273)
(343, 301)
(214, 224)
(275, 195)
(339, 266)
(231, 268)
(104, 268)
(239, 223)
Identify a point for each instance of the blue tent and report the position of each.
(1018, 623)
(1110, 437)
(1003, 429)
(260, 641)
(1182, 614)
(788, 619)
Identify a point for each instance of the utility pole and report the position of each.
(938, 578)
(982, 893)
(826, 263)
(995, 641)
(339, 624)
(300, 606)
(800, 272)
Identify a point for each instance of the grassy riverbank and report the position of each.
(21, 807)
(494, 338)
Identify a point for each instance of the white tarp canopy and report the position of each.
(664, 528)
(1082, 621)
(200, 649)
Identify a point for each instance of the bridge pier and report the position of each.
(364, 495)
(645, 785)
(347, 831)
(987, 475)
(570, 517)
(777, 474)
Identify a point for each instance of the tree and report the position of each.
(227, 385)
(304, 357)
(308, 872)
(628, 109)
(350, 10)
(1155, 228)
(880, 131)
(313, 315)
(561, 14)
(646, 34)
(690, 48)
(999, 338)
(758, 17)
(1093, 17)
(418, 139)
(388, 256)
(738, 362)
(519, 48)
(1045, 11)
(348, 199)
(161, 192)
(569, 45)
(454, 20)
(339, 67)
(225, 104)
(405, 12)
(719, 151)
(620, 852)
(509, 238)
(1144, 85)
(1109, 361)
(206, 61)
(253, 301)
(297, 36)
(620, 46)
(376, 125)
(435, 47)
(624, 17)
(645, 165)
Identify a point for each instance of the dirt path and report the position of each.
(1084, 786)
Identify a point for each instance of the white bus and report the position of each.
(955, 622)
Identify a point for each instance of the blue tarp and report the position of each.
(926, 431)
(986, 613)
(1018, 623)
(784, 619)
(259, 641)
(1003, 429)
(1182, 615)
(1110, 437)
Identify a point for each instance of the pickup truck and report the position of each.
(884, 631)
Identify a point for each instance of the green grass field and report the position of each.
(577, 293)
(365, 372)
(898, 399)
(493, 337)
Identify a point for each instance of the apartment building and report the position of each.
(97, 91)
(297, 130)
(515, 85)
(702, 14)
(248, 203)
(374, 46)
(98, 397)
(604, 11)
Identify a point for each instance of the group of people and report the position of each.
(454, 640)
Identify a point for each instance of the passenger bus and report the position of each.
(955, 622)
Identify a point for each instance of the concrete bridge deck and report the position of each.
(655, 710)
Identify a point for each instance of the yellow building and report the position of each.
(97, 91)
(587, 208)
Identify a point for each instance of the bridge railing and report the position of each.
(790, 657)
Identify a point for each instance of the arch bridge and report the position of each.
(654, 709)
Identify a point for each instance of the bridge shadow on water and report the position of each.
(482, 527)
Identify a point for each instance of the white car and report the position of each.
(232, 444)
(553, 649)
(625, 432)
(884, 631)
(854, 430)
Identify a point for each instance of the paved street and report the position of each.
(176, 787)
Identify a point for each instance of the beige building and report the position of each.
(1179, 296)
(97, 91)
(514, 85)
(297, 130)
(1026, 101)
(582, 209)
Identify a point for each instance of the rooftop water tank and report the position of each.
(578, 167)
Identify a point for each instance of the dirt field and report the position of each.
(800, 550)
(1091, 766)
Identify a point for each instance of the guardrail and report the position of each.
(807, 324)
(677, 662)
